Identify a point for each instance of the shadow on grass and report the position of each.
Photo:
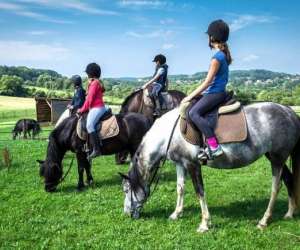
(237, 211)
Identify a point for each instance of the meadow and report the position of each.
(67, 219)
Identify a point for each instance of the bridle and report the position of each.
(147, 192)
(63, 177)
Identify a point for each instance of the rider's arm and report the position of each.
(213, 69)
(154, 79)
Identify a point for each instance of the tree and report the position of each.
(12, 86)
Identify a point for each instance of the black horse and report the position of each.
(26, 126)
(64, 137)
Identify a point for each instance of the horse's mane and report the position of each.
(128, 98)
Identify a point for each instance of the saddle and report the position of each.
(107, 126)
(167, 100)
(228, 121)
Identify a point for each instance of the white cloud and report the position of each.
(168, 46)
(28, 51)
(243, 21)
(72, 4)
(153, 34)
(167, 21)
(143, 4)
(20, 10)
(250, 58)
(39, 32)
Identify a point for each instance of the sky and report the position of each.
(123, 36)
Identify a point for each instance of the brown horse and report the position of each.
(136, 103)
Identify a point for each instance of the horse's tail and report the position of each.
(296, 172)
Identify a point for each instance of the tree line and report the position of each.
(248, 85)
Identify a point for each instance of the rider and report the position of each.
(79, 95)
(214, 86)
(94, 104)
(159, 82)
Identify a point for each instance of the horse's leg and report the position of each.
(287, 178)
(80, 165)
(181, 172)
(87, 167)
(196, 175)
(276, 179)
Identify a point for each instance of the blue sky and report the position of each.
(124, 35)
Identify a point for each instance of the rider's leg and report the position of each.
(155, 94)
(93, 117)
(197, 112)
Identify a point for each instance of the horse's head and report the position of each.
(52, 173)
(136, 195)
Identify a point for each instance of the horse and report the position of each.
(273, 131)
(132, 128)
(26, 126)
(135, 103)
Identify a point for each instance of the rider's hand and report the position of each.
(186, 99)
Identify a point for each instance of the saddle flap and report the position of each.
(107, 129)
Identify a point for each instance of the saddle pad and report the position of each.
(109, 129)
(231, 127)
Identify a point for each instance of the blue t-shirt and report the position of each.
(221, 79)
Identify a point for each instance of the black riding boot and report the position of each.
(157, 111)
(96, 144)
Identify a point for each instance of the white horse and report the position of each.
(273, 130)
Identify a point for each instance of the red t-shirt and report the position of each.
(94, 96)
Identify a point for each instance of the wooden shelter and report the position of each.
(50, 109)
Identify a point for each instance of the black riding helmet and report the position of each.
(76, 80)
(93, 70)
(160, 58)
(218, 30)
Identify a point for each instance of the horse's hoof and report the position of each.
(261, 226)
(288, 216)
(80, 188)
(90, 182)
(175, 216)
(202, 229)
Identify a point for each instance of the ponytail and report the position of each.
(224, 47)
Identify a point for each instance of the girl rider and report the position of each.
(213, 89)
(159, 82)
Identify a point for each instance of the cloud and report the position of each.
(20, 10)
(153, 34)
(143, 4)
(167, 21)
(39, 32)
(168, 46)
(28, 51)
(250, 58)
(243, 21)
(72, 4)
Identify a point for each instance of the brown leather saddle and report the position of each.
(231, 124)
(107, 126)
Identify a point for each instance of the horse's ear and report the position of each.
(124, 176)
(40, 161)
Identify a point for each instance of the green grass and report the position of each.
(33, 219)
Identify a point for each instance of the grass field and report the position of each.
(33, 219)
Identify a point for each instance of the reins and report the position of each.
(66, 174)
(164, 159)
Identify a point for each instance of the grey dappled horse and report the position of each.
(273, 131)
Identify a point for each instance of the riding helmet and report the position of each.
(218, 30)
(76, 80)
(160, 58)
(93, 70)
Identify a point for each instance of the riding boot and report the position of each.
(96, 143)
(157, 107)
